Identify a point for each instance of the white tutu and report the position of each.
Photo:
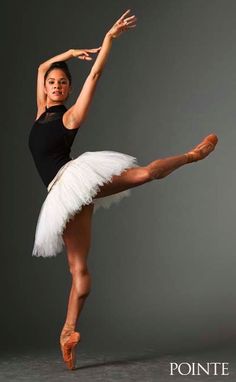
(75, 185)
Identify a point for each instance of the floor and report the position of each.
(137, 366)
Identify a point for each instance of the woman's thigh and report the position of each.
(77, 236)
(132, 177)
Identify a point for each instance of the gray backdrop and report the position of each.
(162, 261)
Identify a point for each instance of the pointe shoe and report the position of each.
(68, 350)
(203, 149)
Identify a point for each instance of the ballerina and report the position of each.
(77, 187)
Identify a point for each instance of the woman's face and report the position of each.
(57, 86)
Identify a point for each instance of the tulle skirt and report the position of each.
(75, 185)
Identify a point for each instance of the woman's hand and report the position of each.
(122, 25)
(84, 54)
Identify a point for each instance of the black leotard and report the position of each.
(50, 142)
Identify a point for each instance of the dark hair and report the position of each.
(59, 65)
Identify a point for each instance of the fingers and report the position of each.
(132, 22)
(85, 53)
(123, 16)
(94, 50)
(130, 18)
(128, 22)
(86, 58)
(126, 19)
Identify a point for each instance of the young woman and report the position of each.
(77, 187)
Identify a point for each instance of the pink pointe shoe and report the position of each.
(68, 350)
(203, 149)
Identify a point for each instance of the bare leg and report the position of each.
(157, 169)
(77, 238)
(77, 234)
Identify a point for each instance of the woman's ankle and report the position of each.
(66, 332)
(69, 326)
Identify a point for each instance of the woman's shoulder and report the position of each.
(69, 121)
(40, 110)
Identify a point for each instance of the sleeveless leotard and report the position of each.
(50, 142)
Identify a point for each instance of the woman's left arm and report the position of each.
(78, 112)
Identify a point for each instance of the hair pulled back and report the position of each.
(59, 65)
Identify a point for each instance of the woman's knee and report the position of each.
(144, 174)
(141, 175)
(81, 279)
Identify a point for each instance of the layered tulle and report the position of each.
(75, 185)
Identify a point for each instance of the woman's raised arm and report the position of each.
(77, 113)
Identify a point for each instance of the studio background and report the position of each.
(162, 261)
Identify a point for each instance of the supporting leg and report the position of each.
(77, 238)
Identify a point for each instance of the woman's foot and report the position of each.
(69, 338)
(203, 149)
(68, 347)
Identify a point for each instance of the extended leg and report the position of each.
(157, 169)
